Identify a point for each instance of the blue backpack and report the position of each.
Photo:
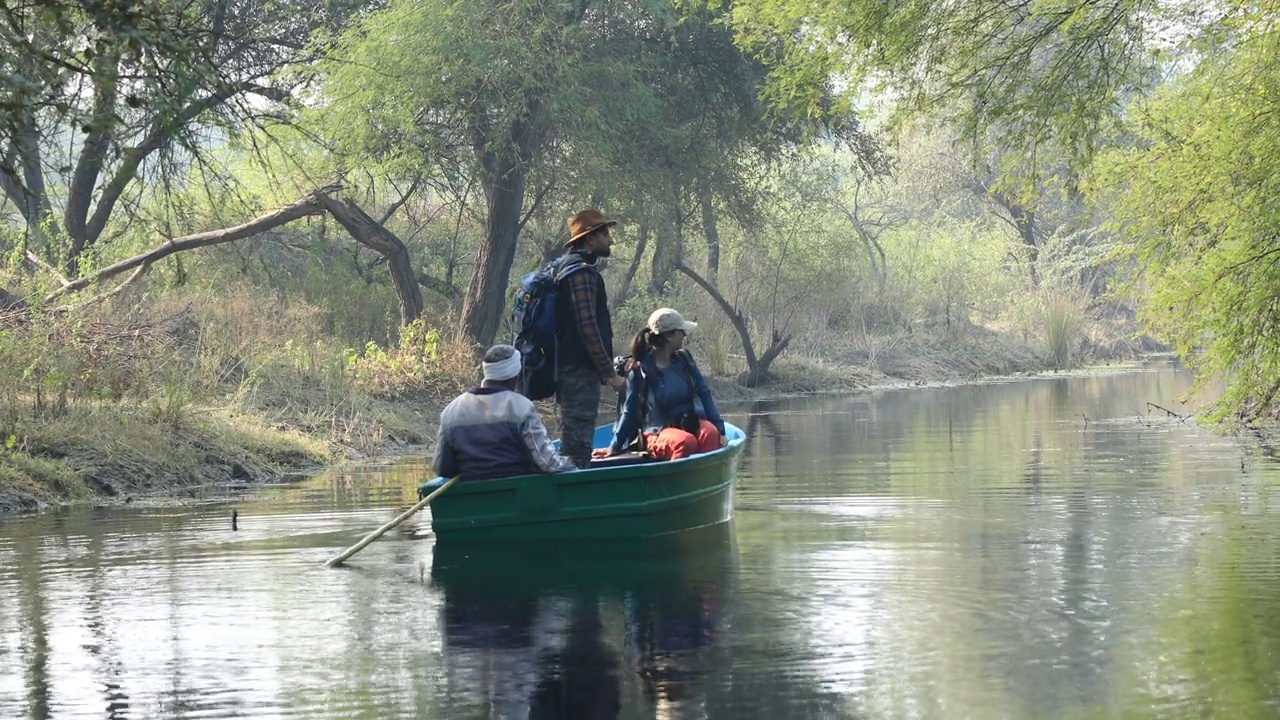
(533, 324)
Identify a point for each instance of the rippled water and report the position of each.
(1041, 549)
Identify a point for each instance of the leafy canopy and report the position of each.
(1195, 203)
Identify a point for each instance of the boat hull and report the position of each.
(630, 501)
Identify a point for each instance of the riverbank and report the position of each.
(112, 453)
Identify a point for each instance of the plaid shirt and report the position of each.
(583, 288)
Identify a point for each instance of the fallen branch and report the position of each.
(308, 205)
(142, 270)
(373, 235)
(1167, 411)
(36, 260)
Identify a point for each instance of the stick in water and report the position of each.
(380, 531)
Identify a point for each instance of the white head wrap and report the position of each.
(502, 369)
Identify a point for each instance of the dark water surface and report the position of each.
(1040, 549)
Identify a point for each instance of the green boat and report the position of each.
(630, 496)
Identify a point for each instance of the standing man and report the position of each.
(584, 336)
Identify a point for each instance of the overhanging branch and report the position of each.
(308, 205)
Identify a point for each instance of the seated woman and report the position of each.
(668, 404)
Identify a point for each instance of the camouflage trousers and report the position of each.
(578, 394)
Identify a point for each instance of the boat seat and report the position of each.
(621, 459)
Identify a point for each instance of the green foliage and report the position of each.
(1194, 201)
(952, 272)
(421, 362)
(1018, 77)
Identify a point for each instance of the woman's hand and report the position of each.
(723, 441)
(602, 452)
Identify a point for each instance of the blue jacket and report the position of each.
(493, 432)
(662, 396)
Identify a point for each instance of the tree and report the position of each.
(459, 88)
(1194, 203)
(91, 92)
(637, 103)
(1024, 76)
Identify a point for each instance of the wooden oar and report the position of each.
(399, 519)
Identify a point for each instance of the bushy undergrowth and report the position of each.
(147, 392)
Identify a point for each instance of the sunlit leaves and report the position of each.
(1196, 199)
(1052, 72)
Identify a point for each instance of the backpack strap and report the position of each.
(568, 264)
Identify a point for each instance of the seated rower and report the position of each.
(668, 403)
(492, 431)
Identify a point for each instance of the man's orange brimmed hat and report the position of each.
(585, 222)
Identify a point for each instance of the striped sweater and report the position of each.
(493, 432)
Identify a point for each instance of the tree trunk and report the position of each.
(1024, 223)
(710, 230)
(9, 301)
(870, 245)
(757, 371)
(485, 300)
(370, 233)
(30, 194)
(624, 288)
(666, 254)
(505, 158)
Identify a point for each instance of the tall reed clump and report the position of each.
(1062, 325)
(713, 348)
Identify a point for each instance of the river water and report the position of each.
(1050, 548)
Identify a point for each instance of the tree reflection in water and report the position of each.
(574, 631)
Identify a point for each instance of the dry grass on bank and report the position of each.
(192, 392)
(118, 451)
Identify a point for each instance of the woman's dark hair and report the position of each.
(643, 341)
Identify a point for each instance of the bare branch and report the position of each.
(399, 203)
(39, 262)
(534, 206)
(757, 368)
(438, 286)
(308, 205)
(370, 233)
(162, 129)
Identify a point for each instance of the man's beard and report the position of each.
(603, 252)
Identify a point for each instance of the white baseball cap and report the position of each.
(665, 320)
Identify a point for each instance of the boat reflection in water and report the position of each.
(558, 631)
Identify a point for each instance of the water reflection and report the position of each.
(564, 631)
(1037, 549)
